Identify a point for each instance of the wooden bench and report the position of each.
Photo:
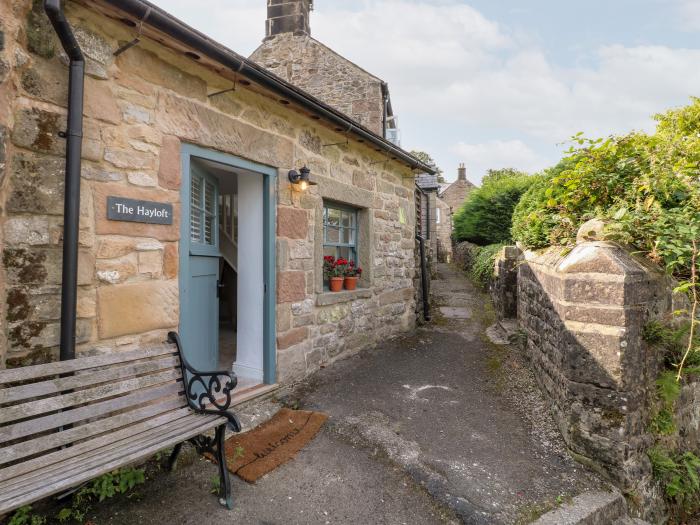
(65, 423)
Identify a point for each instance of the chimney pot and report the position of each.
(461, 172)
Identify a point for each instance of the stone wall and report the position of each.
(583, 315)
(504, 286)
(139, 108)
(9, 28)
(317, 69)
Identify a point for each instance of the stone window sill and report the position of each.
(328, 298)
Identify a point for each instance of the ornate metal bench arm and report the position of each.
(207, 392)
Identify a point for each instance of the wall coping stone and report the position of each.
(329, 298)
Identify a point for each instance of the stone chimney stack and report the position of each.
(288, 16)
(461, 172)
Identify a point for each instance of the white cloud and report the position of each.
(238, 24)
(498, 154)
(447, 63)
(690, 14)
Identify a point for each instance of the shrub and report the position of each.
(486, 215)
(482, 266)
(646, 186)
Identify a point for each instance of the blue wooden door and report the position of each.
(201, 336)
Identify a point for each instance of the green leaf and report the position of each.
(668, 387)
(620, 214)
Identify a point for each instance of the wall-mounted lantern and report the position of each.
(300, 179)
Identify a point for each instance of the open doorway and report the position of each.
(227, 267)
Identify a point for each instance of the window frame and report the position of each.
(352, 247)
(198, 247)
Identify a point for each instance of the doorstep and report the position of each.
(252, 392)
(329, 298)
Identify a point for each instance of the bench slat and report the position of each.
(72, 435)
(141, 436)
(26, 373)
(41, 424)
(54, 386)
(53, 486)
(52, 404)
(46, 461)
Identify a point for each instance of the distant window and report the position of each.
(393, 135)
(340, 231)
(437, 215)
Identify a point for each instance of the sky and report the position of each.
(498, 83)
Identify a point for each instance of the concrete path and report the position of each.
(440, 426)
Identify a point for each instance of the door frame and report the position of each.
(269, 174)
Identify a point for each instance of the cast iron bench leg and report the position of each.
(223, 468)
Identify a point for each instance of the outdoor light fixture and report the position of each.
(300, 179)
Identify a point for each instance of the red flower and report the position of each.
(342, 262)
(329, 258)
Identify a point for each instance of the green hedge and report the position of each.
(645, 186)
(485, 217)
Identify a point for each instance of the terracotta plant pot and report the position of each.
(350, 283)
(335, 284)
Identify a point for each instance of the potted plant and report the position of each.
(334, 271)
(352, 273)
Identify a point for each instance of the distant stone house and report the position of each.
(450, 198)
(443, 230)
(455, 193)
(179, 125)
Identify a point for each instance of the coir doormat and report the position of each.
(253, 454)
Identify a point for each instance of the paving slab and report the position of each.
(455, 312)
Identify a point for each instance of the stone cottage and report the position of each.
(188, 217)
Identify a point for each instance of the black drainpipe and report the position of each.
(71, 202)
(385, 90)
(424, 278)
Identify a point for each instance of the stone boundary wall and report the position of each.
(583, 314)
(504, 286)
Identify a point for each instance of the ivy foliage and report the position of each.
(680, 474)
(645, 185)
(485, 216)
